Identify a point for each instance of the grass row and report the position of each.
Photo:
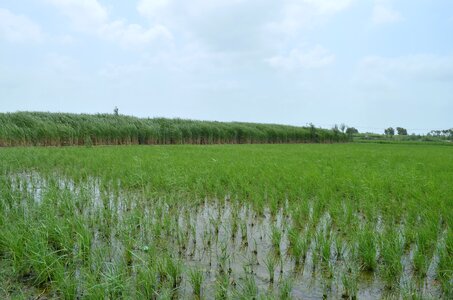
(55, 129)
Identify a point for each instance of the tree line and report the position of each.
(65, 129)
(391, 132)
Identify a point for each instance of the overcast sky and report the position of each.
(367, 63)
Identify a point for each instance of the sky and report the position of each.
(369, 64)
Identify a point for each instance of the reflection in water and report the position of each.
(228, 241)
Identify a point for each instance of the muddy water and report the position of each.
(223, 237)
(249, 255)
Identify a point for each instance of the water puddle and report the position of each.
(228, 242)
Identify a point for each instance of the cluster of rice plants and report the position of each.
(62, 129)
(226, 222)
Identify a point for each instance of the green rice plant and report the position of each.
(409, 291)
(249, 289)
(65, 282)
(166, 293)
(276, 237)
(421, 262)
(321, 252)
(445, 266)
(222, 287)
(285, 288)
(270, 264)
(349, 280)
(244, 232)
(293, 235)
(72, 233)
(146, 282)
(215, 223)
(182, 241)
(299, 249)
(325, 250)
(339, 248)
(223, 258)
(268, 296)
(114, 279)
(196, 278)
(391, 254)
(44, 263)
(367, 249)
(174, 271)
(424, 249)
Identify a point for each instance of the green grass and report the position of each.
(121, 222)
(64, 129)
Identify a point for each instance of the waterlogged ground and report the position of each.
(94, 239)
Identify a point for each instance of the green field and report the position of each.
(227, 221)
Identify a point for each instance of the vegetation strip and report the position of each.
(63, 129)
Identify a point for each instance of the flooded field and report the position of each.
(105, 242)
(226, 222)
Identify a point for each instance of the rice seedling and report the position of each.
(223, 259)
(367, 249)
(276, 238)
(445, 268)
(222, 286)
(285, 288)
(196, 278)
(299, 247)
(391, 254)
(409, 291)
(324, 248)
(147, 282)
(249, 289)
(349, 279)
(97, 223)
(244, 232)
(174, 271)
(270, 263)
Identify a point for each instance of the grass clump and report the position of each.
(196, 278)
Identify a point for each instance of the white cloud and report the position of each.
(384, 15)
(314, 58)
(413, 67)
(116, 71)
(328, 6)
(130, 35)
(61, 63)
(149, 8)
(85, 14)
(65, 39)
(297, 14)
(90, 16)
(169, 10)
(18, 28)
(190, 58)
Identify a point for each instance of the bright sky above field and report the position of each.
(367, 63)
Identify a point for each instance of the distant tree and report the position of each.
(336, 133)
(389, 131)
(335, 129)
(312, 131)
(343, 127)
(351, 131)
(434, 133)
(401, 131)
(115, 111)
